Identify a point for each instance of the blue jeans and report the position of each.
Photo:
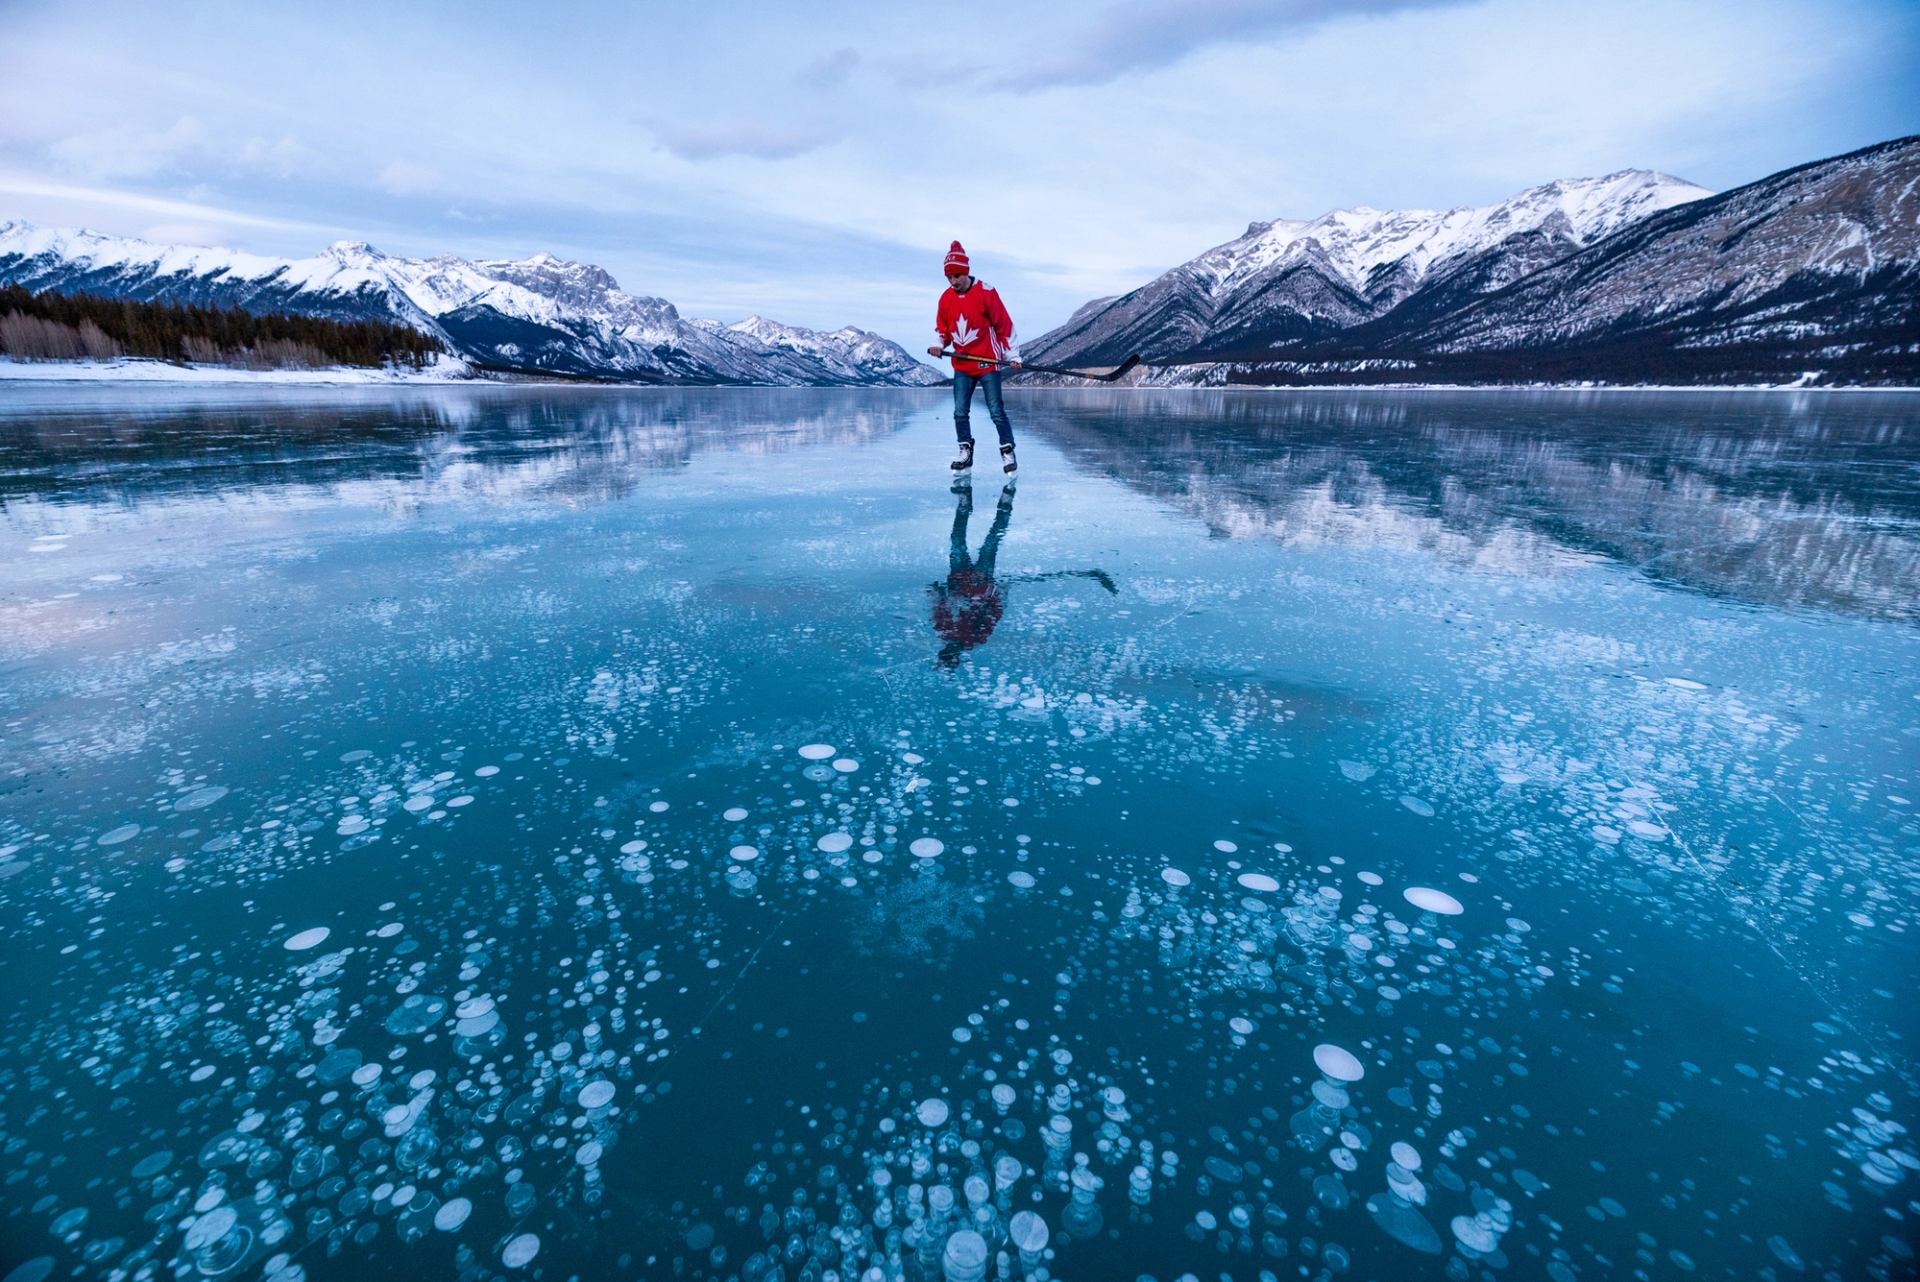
(988, 382)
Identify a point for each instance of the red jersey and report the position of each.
(975, 324)
(966, 607)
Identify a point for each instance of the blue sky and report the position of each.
(810, 162)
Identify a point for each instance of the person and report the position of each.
(973, 321)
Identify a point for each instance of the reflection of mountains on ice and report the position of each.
(412, 448)
(1775, 515)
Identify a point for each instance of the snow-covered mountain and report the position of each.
(1290, 280)
(1828, 250)
(538, 313)
(1810, 274)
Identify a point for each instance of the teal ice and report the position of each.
(591, 833)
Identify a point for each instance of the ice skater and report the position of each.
(975, 330)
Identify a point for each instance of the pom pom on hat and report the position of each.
(957, 261)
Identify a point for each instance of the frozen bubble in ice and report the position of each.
(845, 765)
(1241, 1025)
(1258, 881)
(1337, 1062)
(1028, 1232)
(1405, 1154)
(1357, 771)
(211, 1227)
(114, 836)
(419, 802)
(744, 853)
(1404, 1224)
(1422, 808)
(358, 754)
(633, 847)
(1021, 878)
(834, 842)
(452, 1214)
(418, 1013)
(657, 807)
(588, 1154)
(152, 1164)
(486, 772)
(200, 798)
(1225, 847)
(310, 938)
(1685, 683)
(1513, 776)
(596, 1094)
(816, 751)
(337, 1065)
(966, 1257)
(1174, 877)
(1334, 1097)
(367, 1074)
(1433, 901)
(1475, 1234)
(520, 1250)
(733, 814)
(1372, 878)
(932, 1111)
(352, 826)
(473, 1007)
(927, 847)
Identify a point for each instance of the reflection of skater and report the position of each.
(968, 605)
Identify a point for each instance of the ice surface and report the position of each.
(1214, 998)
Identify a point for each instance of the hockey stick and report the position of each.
(1108, 377)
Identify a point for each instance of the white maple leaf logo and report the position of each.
(963, 333)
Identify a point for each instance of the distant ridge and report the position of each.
(540, 313)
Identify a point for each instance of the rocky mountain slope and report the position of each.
(540, 313)
(1292, 281)
(1809, 275)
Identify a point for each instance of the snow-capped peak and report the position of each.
(590, 324)
(1357, 242)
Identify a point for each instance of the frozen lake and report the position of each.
(617, 834)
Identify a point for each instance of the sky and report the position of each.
(810, 162)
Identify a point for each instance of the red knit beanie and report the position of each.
(957, 261)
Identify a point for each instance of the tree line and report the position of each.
(52, 326)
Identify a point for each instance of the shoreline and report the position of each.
(148, 372)
(129, 370)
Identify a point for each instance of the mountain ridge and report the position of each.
(1808, 275)
(541, 313)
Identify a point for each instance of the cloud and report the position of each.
(97, 198)
(183, 233)
(408, 178)
(1146, 35)
(829, 71)
(120, 152)
(711, 140)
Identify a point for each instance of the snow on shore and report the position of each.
(133, 370)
